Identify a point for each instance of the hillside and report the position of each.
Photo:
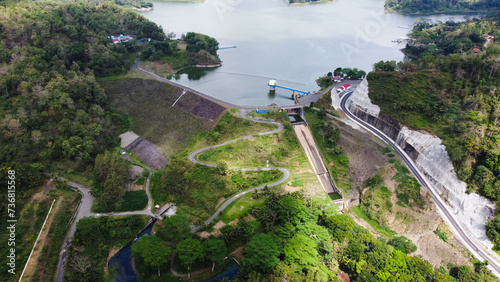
(435, 6)
(148, 103)
(451, 92)
(52, 108)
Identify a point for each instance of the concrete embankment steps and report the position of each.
(313, 154)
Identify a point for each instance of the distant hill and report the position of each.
(431, 6)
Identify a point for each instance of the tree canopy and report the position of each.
(197, 41)
(111, 175)
(302, 251)
(176, 228)
(215, 250)
(430, 6)
(152, 251)
(262, 253)
(190, 250)
(51, 106)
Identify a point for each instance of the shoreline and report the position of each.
(143, 9)
(451, 12)
(206, 66)
(310, 3)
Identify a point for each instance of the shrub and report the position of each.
(297, 183)
(403, 244)
(134, 200)
(441, 235)
(140, 181)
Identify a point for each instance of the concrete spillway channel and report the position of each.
(304, 134)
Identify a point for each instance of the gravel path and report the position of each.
(84, 210)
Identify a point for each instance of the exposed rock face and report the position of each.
(335, 99)
(432, 159)
(361, 99)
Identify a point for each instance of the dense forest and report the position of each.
(292, 238)
(52, 108)
(431, 6)
(135, 4)
(450, 90)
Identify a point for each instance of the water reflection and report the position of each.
(194, 73)
(272, 94)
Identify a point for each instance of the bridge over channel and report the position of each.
(304, 134)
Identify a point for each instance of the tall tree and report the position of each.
(262, 253)
(176, 228)
(111, 172)
(189, 251)
(301, 250)
(215, 250)
(152, 251)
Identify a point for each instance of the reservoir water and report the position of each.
(122, 261)
(292, 44)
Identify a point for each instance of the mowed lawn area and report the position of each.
(149, 105)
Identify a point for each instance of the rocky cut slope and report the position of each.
(432, 159)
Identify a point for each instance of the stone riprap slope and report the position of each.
(200, 106)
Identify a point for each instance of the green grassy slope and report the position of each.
(149, 105)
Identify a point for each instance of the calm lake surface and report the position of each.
(293, 44)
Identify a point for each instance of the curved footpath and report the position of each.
(192, 157)
(286, 173)
(467, 239)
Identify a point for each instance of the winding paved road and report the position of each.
(286, 173)
(467, 239)
(84, 210)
